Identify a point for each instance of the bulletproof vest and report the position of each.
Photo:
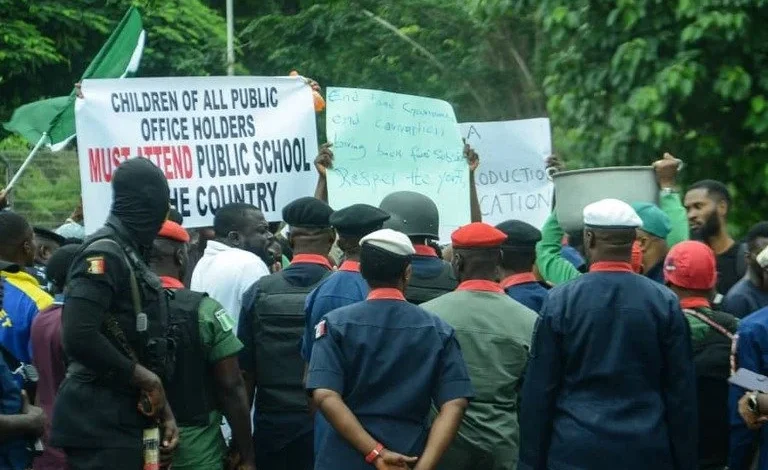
(150, 346)
(424, 289)
(278, 328)
(190, 390)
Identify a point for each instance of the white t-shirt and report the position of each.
(225, 274)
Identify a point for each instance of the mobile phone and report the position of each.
(749, 380)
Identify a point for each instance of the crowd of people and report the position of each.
(350, 339)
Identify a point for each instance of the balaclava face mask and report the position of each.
(140, 199)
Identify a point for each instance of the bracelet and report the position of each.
(374, 454)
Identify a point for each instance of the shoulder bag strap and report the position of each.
(719, 328)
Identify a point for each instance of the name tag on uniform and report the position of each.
(320, 330)
(224, 320)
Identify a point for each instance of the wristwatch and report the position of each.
(752, 404)
(668, 191)
(374, 454)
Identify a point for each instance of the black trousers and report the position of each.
(297, 455)
(99, 459)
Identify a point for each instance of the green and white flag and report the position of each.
(119, 57)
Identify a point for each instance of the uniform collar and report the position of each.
(480, 285)
(385, 293)
(351, 266)
(517, 279)
(425, 250)
(611, 266)
(307, 258)
(694, 302)
(171, 282)
(22, 276)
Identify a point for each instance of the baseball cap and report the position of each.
(691, 265)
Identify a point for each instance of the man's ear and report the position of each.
(234, 238)
(589, 239)
(44, 252)
(407, 275)
(722, 208)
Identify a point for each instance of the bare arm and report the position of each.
(443, 432)
(234, 401)
(473, 160)
(323, 161)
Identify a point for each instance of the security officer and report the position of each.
(517, 263)
(611, 380)
(272, 324)
(384, 361)
(344, 287)
(495, 335)
(207, 382)
(416, 215)
(114, 327)
(21, 422)
(690, 270)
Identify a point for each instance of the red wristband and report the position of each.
(374, 454)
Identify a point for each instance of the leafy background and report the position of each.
(622, 82)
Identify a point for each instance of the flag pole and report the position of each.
(230, 38)
(27, 161)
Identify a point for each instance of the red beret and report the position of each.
(173, 231)
(691, 265)
(477, 235)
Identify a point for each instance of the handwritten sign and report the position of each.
(511, 180)
(218, 140)
(385, 142)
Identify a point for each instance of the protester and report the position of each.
(48, 352)
(236, 258)
(272, 324)
(611, 381)
(23, 298)
(652, 239)
(494, 332)
(690, 271)
(206, 382)
(751, 292)
(557, 270)
(364, 352)
(47, 243)
(416, 216)
(708, 203)
(199, 239)
(344, 287)
(73, 227)
(114, 323)
(20, 422)
(517, 264)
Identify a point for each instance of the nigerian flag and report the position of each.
(119, 57)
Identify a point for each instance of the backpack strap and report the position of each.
(700, 316)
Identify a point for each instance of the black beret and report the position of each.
(308, 212)
(519, 234)
(49, 235)
(358, 220)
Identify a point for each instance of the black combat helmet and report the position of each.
(412, 214)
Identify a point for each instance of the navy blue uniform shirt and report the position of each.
(389, 360)
(656, 272)
(525, 289)
(275, 430)
(611, 380)
(744, 298)
(751, 354)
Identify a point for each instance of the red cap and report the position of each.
(637, 258)
(173, 231)
(691, 265)
(477, 235)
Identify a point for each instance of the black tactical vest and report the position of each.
(424, 289)
(190, 392)
(151, 346)
(278, 327)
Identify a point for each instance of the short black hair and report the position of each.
(518, 260)
(759, 230)
(175, 216)
(231, 218)
(380, 267)
(13, 229)
(715, 189)
(58, 266)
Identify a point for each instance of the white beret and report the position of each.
(611, 213)
(390, 240)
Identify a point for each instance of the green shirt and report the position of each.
(557, 270)
(494, 333)
(203, 447)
